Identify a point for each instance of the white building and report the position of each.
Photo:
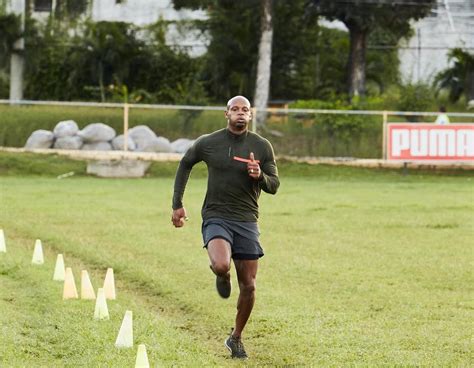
(138, 12)
(145, 12)
(448, 26)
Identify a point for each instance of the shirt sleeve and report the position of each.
(269, 181)
(190, 158)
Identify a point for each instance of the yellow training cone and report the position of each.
(59, 270)
(142, 357)
(109, 284)
(3, 247)
(101, 310)
(38, 253)
(125, 335)
(69, 291)
(87, 291)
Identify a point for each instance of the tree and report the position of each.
(10, 31)
(361, 17)
(459, 78)
(106, 51)
(216, 9)
(262, 85)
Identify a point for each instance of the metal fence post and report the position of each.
(384, 135)
(125, 126)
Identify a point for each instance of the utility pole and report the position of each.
(17, 62)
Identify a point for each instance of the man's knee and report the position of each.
(248, 288)
(221, 268)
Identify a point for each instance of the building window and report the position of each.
(43, 5)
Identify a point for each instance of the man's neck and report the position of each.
(236, 132)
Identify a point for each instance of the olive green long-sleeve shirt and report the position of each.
(231, 193)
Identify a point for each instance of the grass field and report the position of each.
(362, 268)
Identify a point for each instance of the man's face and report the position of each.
(238, 115)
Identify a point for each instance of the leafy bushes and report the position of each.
(415, 97)
(98, 60)
(328, 134)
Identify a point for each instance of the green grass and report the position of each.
(362, 268)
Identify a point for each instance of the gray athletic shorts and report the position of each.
(241, 235)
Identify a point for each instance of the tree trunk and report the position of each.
(262, 86)
(17, 62)
(358, 43)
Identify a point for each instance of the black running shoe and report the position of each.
(236, 347)
(223, 286)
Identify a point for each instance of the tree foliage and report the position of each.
(459, 78)
(362, 17)
(308, 61)
(10, 31)
(105, 59)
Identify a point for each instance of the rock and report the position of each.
(181, 145)
(118, 168)
(66, 128)
(117, 143)
(96, 132)
(97, 146)
(68, 143)
(158, 144)
(142, 135)
(40, 139)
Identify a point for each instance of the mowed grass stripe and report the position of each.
(369, 270)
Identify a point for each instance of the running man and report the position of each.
(240, 165)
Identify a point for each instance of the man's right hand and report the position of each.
(178, 217)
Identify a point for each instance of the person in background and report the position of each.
(442, 119)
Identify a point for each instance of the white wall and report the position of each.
(141, 12)
(426, 53)
(144, 12)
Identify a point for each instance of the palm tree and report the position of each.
(458, 79)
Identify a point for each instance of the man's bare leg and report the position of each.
(220, 252)
(246, 275)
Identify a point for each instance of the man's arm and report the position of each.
(269, 181)
(182, 175)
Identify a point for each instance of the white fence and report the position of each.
(125, 107)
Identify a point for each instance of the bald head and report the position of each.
(238, 114)
(238, 99)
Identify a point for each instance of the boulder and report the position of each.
(40, 139)
(117, 143)
(66, 128)
(158, 144)
(96, 132)
(142, 135)
(68, 143)
(181, 145)
(97, 146)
